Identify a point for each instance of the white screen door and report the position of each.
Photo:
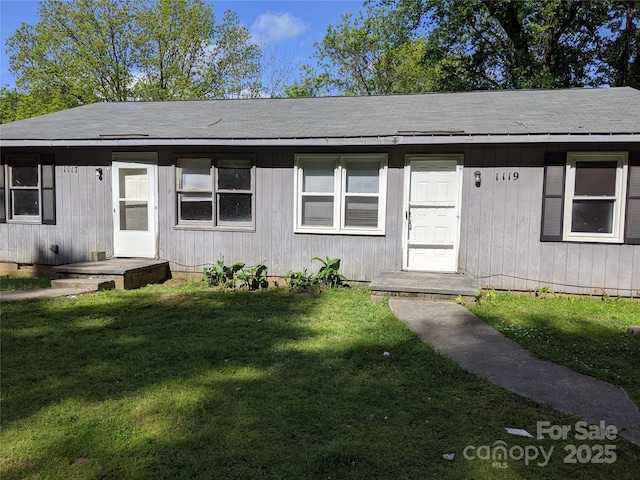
(432, 214)
(134, 204)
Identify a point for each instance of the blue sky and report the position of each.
(290, 27)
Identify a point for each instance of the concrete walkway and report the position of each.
(457, 333)
(60, 288)
(41, 293)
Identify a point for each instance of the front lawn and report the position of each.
(179, 381)
(586, 334)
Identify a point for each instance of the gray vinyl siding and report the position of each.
(83, 215)
(500, 222)
(500, 239)
(274, 241)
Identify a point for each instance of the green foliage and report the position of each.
(328, 274)
(222, 275)
(370, 54)
(408, 46)
(301, 281)
(236, 276)
(254, 278)
(544, 292)
(485, 296)
(86, 51)
(18, 106)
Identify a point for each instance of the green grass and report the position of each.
(179, 381)
(12, 283)
(586, 334)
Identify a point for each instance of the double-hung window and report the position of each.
(195, 200)
(216, 193)
(234, 194)
(27, 190)
(594, 200)
(590, 197)
(340, 193)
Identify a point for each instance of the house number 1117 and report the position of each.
(507, 176)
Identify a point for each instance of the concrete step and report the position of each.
(435, 286)
(95, 284)
(128, 273)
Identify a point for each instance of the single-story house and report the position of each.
(519, 189)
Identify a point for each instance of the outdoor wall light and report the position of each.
(99, 173)
(478, 178)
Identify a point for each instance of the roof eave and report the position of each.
(329, 141)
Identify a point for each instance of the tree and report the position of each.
(85, 51)
(232, 62)
(171, 48)
(18, 106)
(365, 55)
(185, 55)
(621, 50)
(399, 46)
(83, 48)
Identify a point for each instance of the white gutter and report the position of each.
(333, 141)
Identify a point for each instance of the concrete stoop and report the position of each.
(126, 273)
(423, 285)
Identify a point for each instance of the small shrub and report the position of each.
(484, 296)
(254, 278)
(328, 274)
(301, 281)
(544, 292)
(222, 275)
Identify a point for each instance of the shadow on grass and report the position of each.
(210, 385)
(109, 349)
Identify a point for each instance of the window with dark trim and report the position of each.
(215, 193)
(27, 189)
(591, 197)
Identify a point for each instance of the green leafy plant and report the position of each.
(328, 274)
(222, 275)
(301, 281)
(544, 292)
(254, 278)
(484, 296)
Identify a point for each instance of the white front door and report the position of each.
(134, 204)
(432, 212)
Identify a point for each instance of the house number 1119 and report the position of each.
(507, 176)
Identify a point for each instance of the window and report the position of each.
(589, 196)
(27, 190)
(194, 190)
(215, 194)
(340, 193)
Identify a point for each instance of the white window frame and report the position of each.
(340, 194)
(617, 233)
(215, 192)
(21, 162)
(234, 163)
(180, 191)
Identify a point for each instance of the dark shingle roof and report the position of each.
(512, 112)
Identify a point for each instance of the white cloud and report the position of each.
(273, 27)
